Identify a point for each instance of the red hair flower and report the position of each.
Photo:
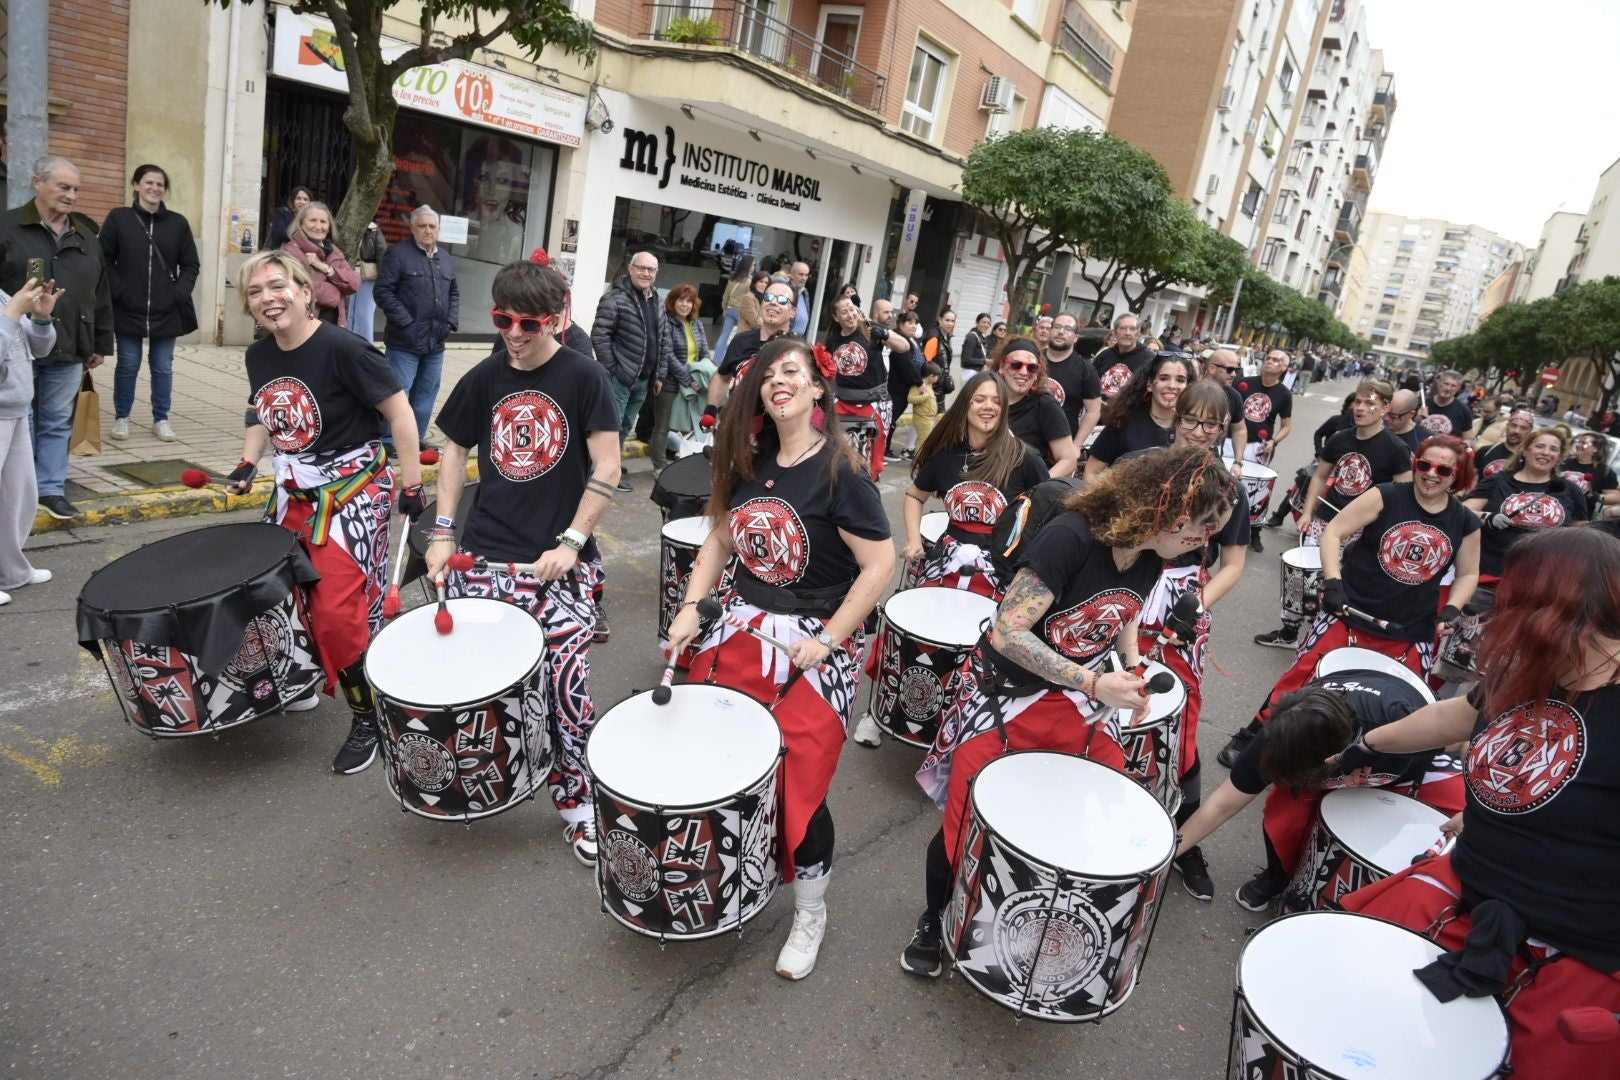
(538, 255)
(825, 361)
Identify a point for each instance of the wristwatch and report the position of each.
(826, 640)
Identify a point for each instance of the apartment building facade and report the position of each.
(1547, 266)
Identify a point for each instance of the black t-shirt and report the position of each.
(1531, 506)
(1138, 433)
(1593, 480)
(1114, 368)
(1234, 405)
(530, 428)
(1092, 599)
(1491, 460)
(1072, 382)
(1394, 570)
(1412, 438)
(743, 347)
(1264, 406)
(1453, 419)
(1330, 427)
(1541, 828)
(784, 522)
(859, 358)
(322, 397)
(1375, 699)
(1037, 419)
(1359, 465)
(975, 502)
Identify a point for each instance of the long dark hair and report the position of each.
(1003, 452)
(743, 269)
(1137, 395)
(1146, 493)
(747, 433)
(1307, 727)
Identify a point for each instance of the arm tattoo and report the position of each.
(1027, 599)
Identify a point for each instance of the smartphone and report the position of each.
(36, 270)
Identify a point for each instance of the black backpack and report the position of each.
(1024, 518)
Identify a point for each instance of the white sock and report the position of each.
(811, 895)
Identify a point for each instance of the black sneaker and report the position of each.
(625, 485)
(359, 750)
(58, 507)
(925, 955)
(1275, 520)
(1254, 542)
(1234, 747)
(601, 632)
(1258, 892)
(1283, 638)
(1194, 873)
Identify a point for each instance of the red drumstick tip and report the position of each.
(461, 562)
(442, 622)
(1588, 1024)
(391, 602)
(194, 478)
(429, 457)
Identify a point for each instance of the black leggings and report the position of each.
(1192, 792)
(938, 874)
(815, 852)
(357, 690)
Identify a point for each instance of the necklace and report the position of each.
(769, 484)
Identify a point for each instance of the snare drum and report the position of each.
(1361, 835)
(462, 716)
(1153, 746)
(1330, 994)
(206, 630)
(932, 529)
(1058, 884)
(1302, 582)
(1356, 659)
(678, 547)
(1456, 660)
(416, 556)
(682, 489)
(686, 810)
(925, 635)
(1258, 483)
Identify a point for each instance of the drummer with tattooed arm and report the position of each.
(322, 399)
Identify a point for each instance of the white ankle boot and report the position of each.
(798, 957)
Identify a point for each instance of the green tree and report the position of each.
(1172, 247)
(1047, 189)
(445, 30)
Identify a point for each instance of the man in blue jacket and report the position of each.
(417, 291)
(631, 339)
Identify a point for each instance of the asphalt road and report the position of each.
(230, 907)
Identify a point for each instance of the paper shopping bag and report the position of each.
(86, 419)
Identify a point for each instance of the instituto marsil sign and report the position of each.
(708, 169)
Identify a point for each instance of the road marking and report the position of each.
(55, 754)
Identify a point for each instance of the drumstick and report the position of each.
(461, 561)
(1382, 624)
(709, 609)
(391, 601)
(662, 692)
(442, 620)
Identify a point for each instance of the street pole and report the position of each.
(27, 95)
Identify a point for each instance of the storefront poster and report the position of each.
(452, 229)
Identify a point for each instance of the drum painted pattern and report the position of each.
(1259, 482)
(676, 557)
(1153, 747)
(1457, 658)
(1301, 585)
(1330, 870)
(932, 529)
(917, 678)
(163, 692)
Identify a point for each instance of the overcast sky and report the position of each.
(1506, 111)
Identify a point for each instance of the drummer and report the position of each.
(1492, 459)
(1142, 415)
(811, 537)
(1034, 414)
(862, 384)
(1035, 681)
(541, 417)
(1528, 894)
(1288, 757)
(1526, 496)
(1268, 414)
(776, 310)
(322, 399)
(1588, 469)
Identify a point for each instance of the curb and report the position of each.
(176, 500)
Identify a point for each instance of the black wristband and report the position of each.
(711, 410)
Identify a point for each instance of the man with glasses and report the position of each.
(1448, 414)
(1116, 364)
(775, 317)
(1486, 429)
(421, 300)
(1403, 417)
(631, 339)
(1072, 381)
(1223, 367)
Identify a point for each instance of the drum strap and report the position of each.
(330, 498)
(820, 603)
(859, 396)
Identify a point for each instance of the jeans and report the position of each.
(161, 358)
(727, 325)
(56, 387)
(629, 400)
(418, 375)
(363, 311)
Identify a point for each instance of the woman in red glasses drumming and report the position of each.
(1032, 413)
(542, 419)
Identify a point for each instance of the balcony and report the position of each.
(742, 26)
(1344, 230)
(1361, 173)
(1383, 102)
(1085, 43)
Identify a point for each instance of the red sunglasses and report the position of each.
(1022, 365)
(1424, 465)
(503, 321)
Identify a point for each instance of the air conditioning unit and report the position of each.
(1213, 185)
(1227, 95)
(998, 95)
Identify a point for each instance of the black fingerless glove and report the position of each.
(244, 473)
(1334, 598)
(411, 502)
(1449, 614)
(1356, 756)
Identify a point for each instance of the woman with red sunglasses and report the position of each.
(1032, 413)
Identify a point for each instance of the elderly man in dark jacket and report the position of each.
(48, 229)
(632, 341)
(417, 291)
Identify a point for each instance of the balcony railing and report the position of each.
(744, 26)
(1086, 44)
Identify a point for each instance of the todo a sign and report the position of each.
(691, 164)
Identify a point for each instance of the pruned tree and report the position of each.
(444, 30)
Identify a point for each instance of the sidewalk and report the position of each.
(138, 478)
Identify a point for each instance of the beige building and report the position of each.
(1597, 242)
(1501, 290)
(1545, 267)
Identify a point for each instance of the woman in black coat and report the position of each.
(152, 267)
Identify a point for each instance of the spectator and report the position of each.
(799, 275)
(419, 295)
(152, 267)
(1122, 358)
(689, 346)
(937, 350)
(631, 339)
(363, 308)
(47, 228)
(310, 242)
(748, 304)
(738, 285)
(281, 224)
(26, 332)
(998, 338)
(924, 399)
(976, 345)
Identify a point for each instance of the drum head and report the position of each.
(1074, 814)
(1303, 558)
(1337, 990)
(1337, 661)
(688, 531)
(946, 616)
(1381, 827)
(687, 478)
(1253, 470)
(190, 566)
(706, 746)
(1160, 706)
(934, 525)
(493, 647)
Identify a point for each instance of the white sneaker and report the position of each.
(163, 431)
(798, 957)
(867, 732)
(120, 429)
(5, 598)
(311, 700)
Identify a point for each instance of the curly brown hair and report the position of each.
(1151, 492)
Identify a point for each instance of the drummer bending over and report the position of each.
(543, 420)
(322, 399)
(811, 537)
(1526, 901)
(1309, 727)
(1033, 683)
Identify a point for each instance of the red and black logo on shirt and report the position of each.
(975, 502)
(1519, 763)
(770, 540)
(1257, 408)
(1534, 510)
(1114, 379)
(289, 412)
(1352, 475)
(1413, 552)
(1088, 628)
(527, 435)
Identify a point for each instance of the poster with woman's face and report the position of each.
(424, 174)
(494, 196)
